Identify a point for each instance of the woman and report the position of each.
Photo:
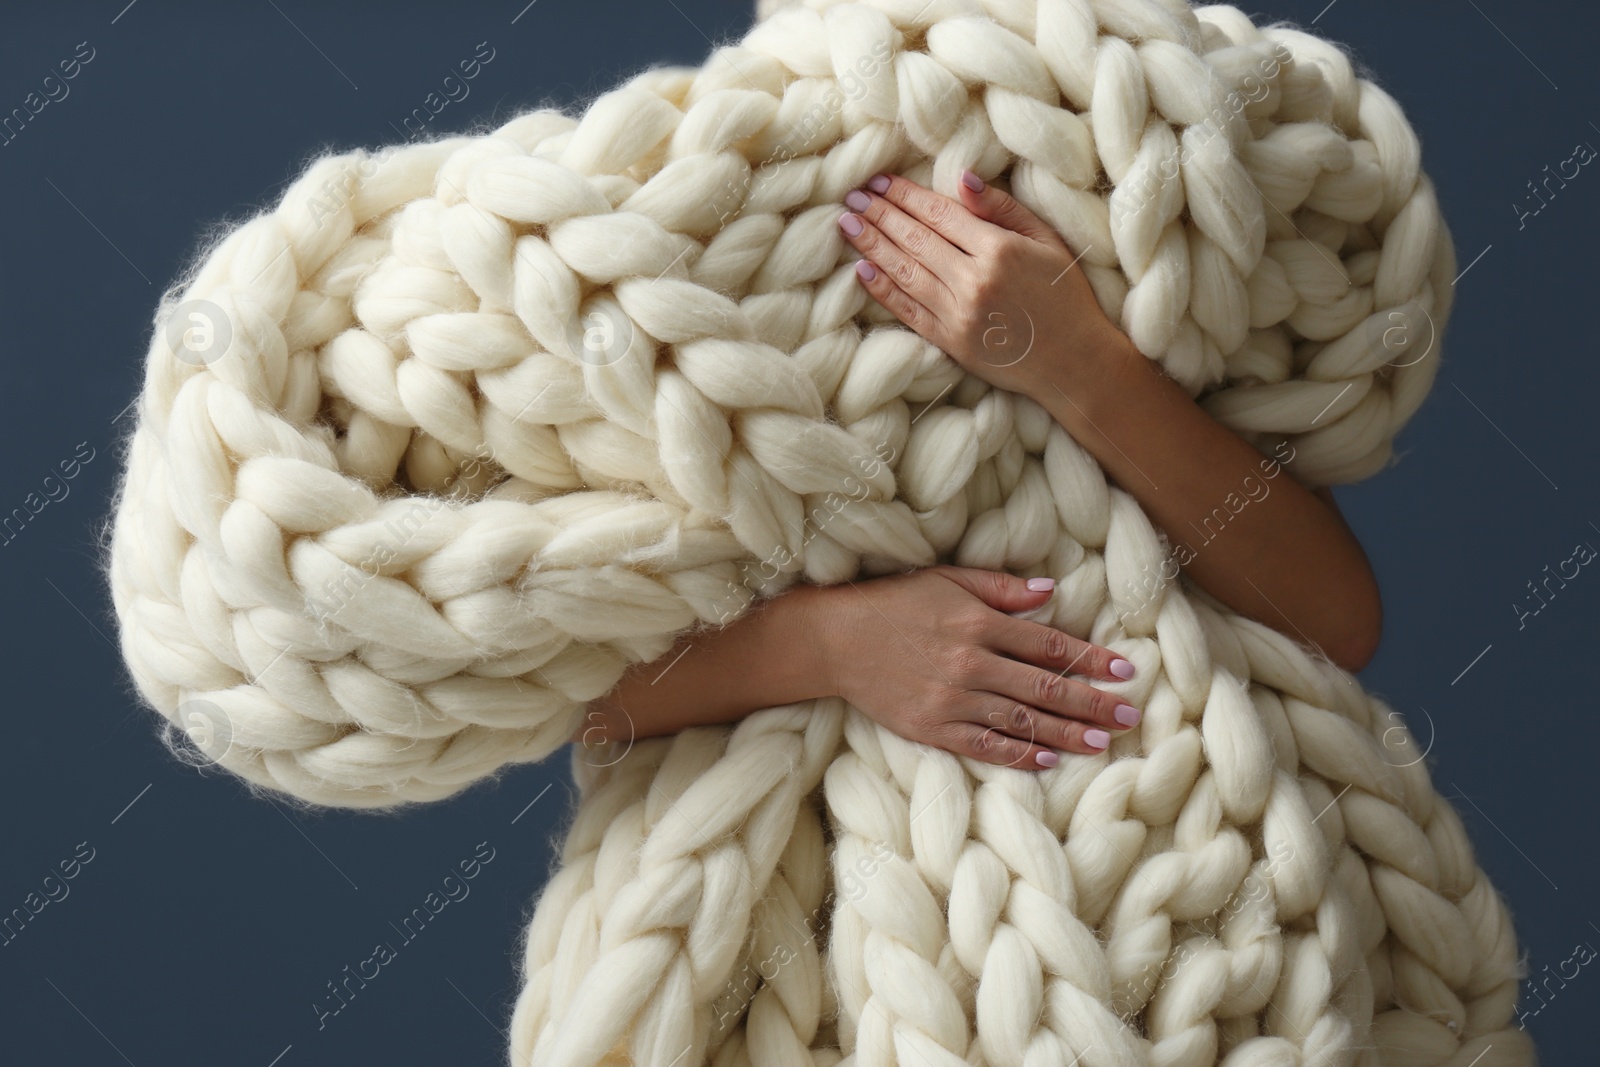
(936, 654)
(1248, 876)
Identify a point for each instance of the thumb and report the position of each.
(1001, 208)
(1009, 593)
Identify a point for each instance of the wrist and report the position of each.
(1088, 370)
(818, 627)
(1084, 381)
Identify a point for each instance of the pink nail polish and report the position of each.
(1048, 759)
(879, 183)
(1096, 738)
(866, 270)
(1122, 668)
(1041, 585)
(972, 181)
(1126, 714)
(850, 224)
(857, 200)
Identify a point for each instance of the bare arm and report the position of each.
(964, 274)
(768, 656)
(935, 654)
(1242, 527)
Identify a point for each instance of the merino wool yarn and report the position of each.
(474, 424)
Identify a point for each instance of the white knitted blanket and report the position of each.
(431, 451)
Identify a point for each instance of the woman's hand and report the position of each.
(984, 279)
(934, 656)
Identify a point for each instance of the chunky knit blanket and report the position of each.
(427, 455)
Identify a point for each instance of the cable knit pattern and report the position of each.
(499, 415)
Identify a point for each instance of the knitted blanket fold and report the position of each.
(430, 452)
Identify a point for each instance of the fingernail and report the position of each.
(850, 224)
(866, 270)
(972, 181)
(879, 183)
(1048, 759)
(1122, 668)
(1041, 585)
(1096, 738)
(857, 200)
(1126, 714)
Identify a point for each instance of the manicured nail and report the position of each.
(1048, 759)
(879, 183)
(1096, 738)
(1122, 668)
(857, 200)
(1126, 714)
(972, 181)
(866, 270)
(850, 224)
(1041, 585)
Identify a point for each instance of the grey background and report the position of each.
(208, 923)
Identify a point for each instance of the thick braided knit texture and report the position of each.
(499, 415)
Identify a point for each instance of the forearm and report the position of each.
(1240, 526)
(768, 656)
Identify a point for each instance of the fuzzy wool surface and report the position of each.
(431, 451)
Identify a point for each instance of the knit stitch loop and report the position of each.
(431, 452)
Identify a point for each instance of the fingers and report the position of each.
(1032, 642)
(1052, 692)
(998, 589)
(1046, 646)
(908, 310)
(909, 234)
(1002, 209)
(910, 271)
(907, 205)
(1009, 733)
(990, 745)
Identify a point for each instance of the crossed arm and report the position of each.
(949, 270)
